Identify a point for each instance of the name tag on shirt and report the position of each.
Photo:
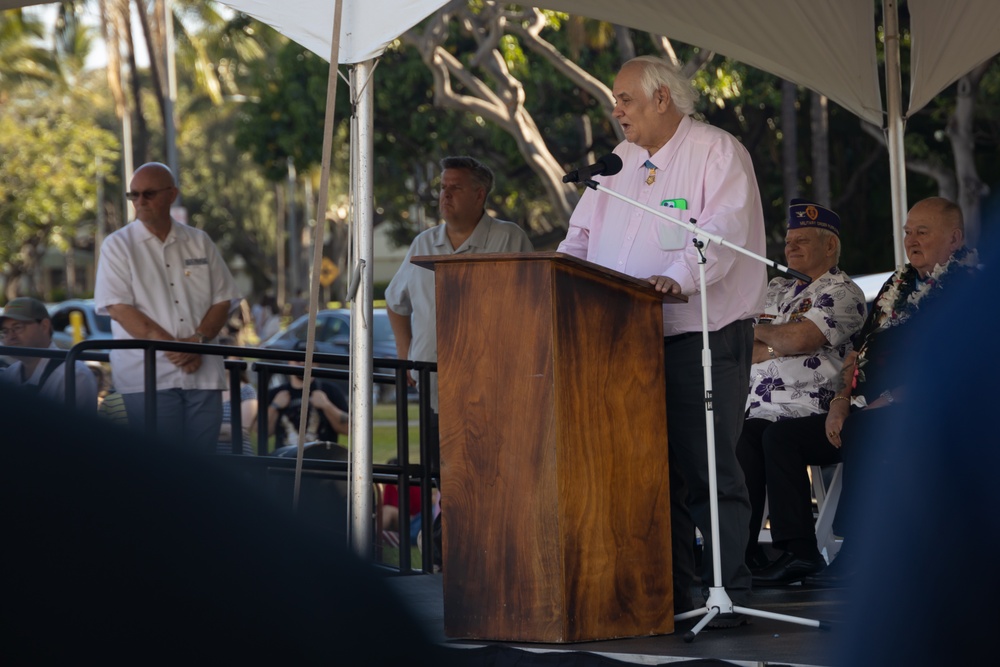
(196, 262)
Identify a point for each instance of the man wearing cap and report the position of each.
(25, 323)
(162, 280)
(800, 343)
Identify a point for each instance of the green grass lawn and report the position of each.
(390, 556)
(384, 437)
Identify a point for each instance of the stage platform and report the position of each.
(762, 642)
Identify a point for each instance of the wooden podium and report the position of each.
(555, 490)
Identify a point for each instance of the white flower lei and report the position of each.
(890, 315)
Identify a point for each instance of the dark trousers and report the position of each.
(865, 460)
(731, 347)
(791, 446)
(750, 452)
(188, 418)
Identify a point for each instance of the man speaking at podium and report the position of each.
(704, 173)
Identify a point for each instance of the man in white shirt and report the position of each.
(25, 323)
(162, 280)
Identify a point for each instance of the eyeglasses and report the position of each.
(148, 194)
(16, 328)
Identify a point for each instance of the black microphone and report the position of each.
(608, 165)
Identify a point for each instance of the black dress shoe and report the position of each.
(756, 558)
(838, 575)
(789, 569)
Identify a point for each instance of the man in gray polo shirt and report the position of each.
(467, 228)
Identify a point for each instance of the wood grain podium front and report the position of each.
(555, 491)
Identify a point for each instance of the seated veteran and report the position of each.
(866, 405)
(800, 343)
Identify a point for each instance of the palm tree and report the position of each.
(22, 60)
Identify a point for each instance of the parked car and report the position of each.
(333, 336)
(92, 325)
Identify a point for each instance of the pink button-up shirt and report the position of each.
(709, 172)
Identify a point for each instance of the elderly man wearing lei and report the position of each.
(862, 408)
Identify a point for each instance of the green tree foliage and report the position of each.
(48, 178)
(22, 60)
(227, 195)
(286, 118)
(223, 189)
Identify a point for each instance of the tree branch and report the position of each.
(593, 86)
(944, 178)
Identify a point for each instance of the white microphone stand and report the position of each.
(718, 601)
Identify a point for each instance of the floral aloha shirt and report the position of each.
(802, 385)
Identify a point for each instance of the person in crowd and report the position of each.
(390, 507)
(468, 228)
(704, 173)
(800, 343)
(238, 327)
(328, 414)
(867, 401)
(248, 411)
(162, 280)
(267, 317)
(112, 408)
(25, 322)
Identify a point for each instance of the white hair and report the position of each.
(658, 72)
(824, 234)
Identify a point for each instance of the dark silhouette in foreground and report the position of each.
(925, 591)
(121, 549)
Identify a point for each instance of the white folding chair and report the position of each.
(827, 497)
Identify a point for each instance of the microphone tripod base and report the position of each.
(718, 602)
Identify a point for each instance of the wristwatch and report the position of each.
(202, 338)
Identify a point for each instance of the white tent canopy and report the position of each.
(825, 45)
(949, 39)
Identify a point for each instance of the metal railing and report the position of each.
(404, 473)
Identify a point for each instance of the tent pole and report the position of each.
(895, 127)
(362, 365)
(317, 241)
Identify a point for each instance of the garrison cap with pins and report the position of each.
(803, 213)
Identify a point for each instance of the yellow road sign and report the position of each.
(328, 272)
